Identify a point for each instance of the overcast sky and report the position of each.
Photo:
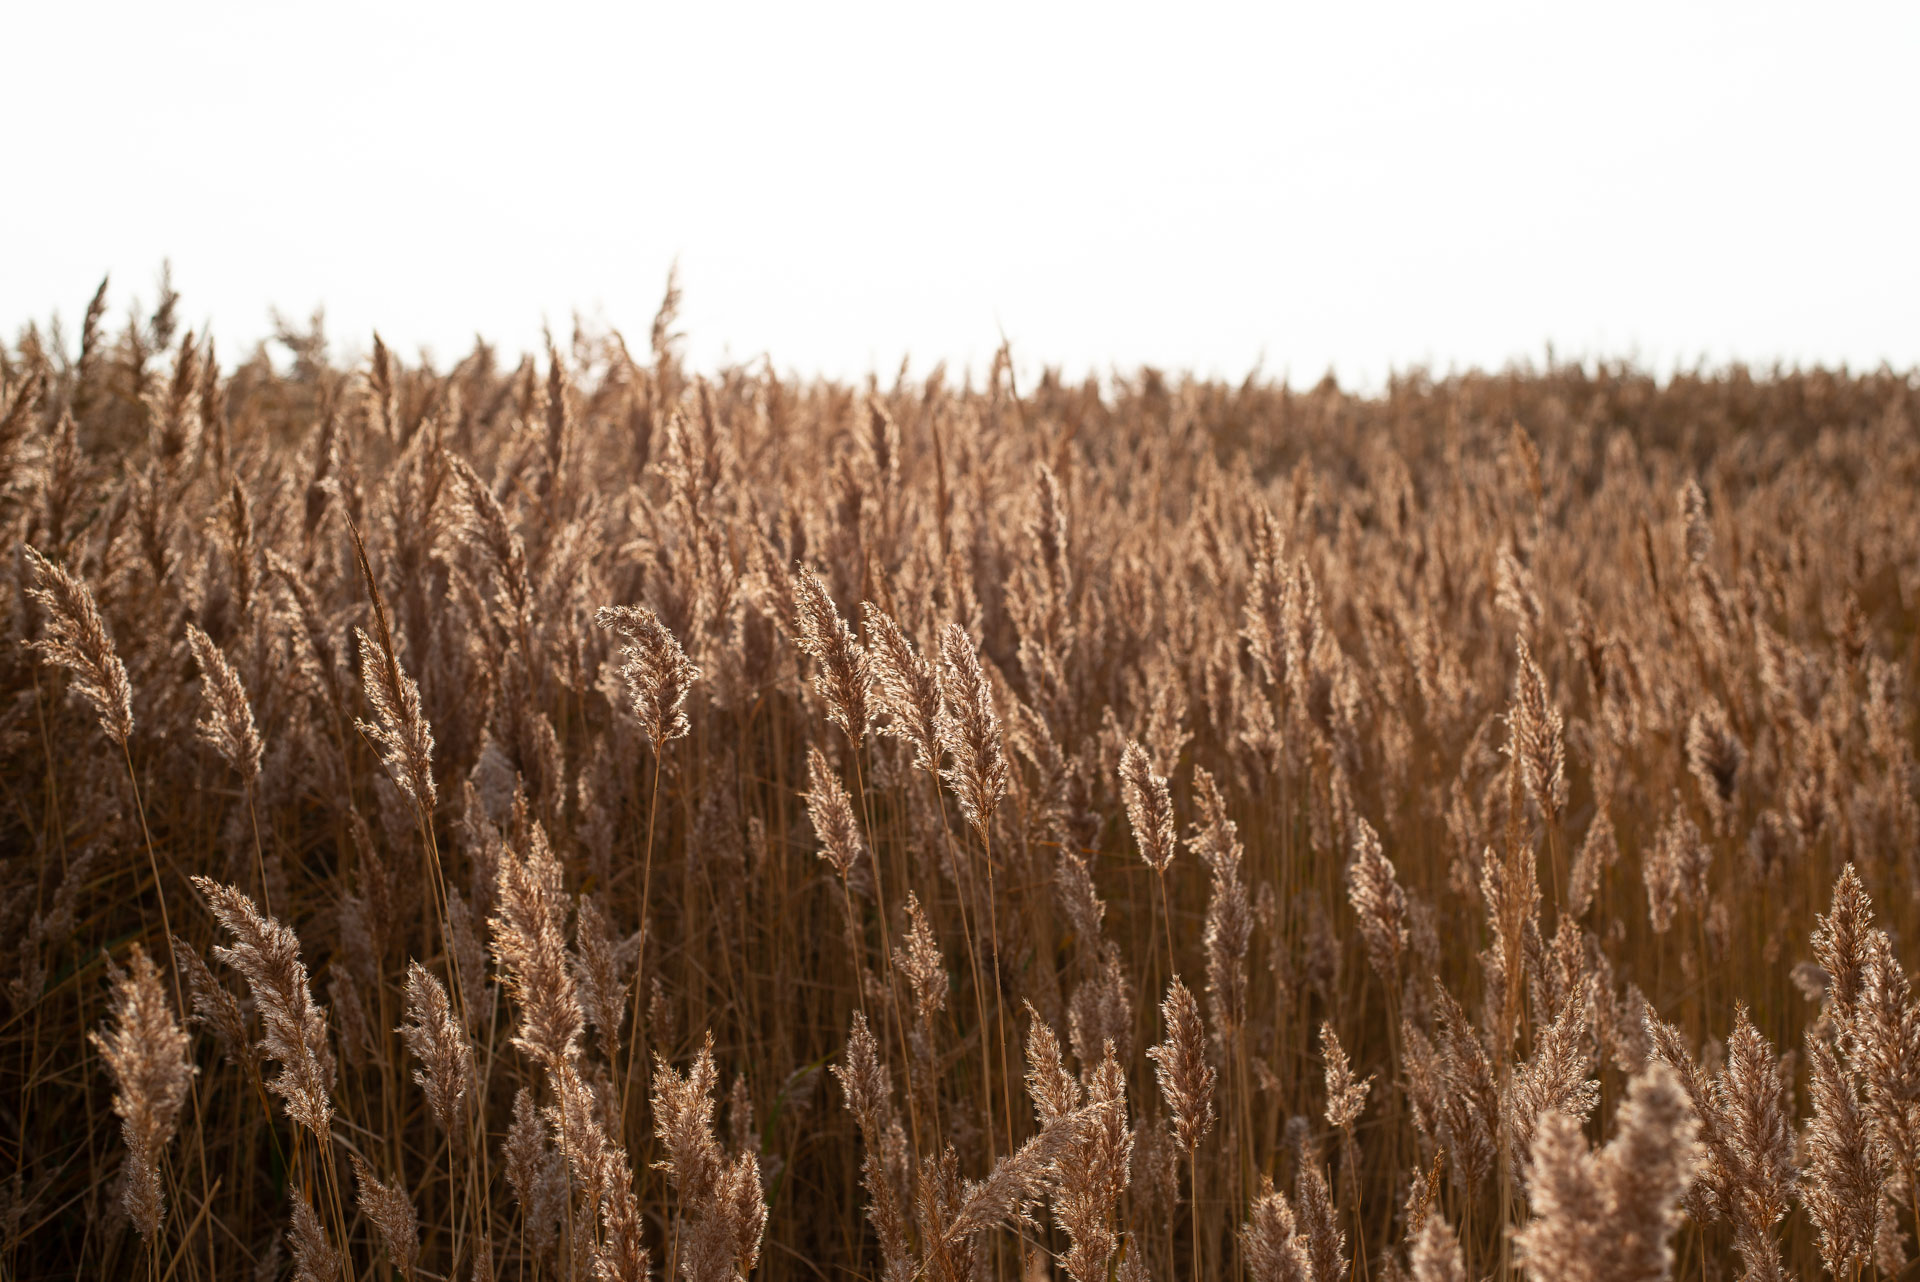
(1355, 186)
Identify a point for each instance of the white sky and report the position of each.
(1361, 186)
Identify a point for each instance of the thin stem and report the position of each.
(453, 1198)
(646, 903)
(1166, 919)
(886, 949)
(566, 1165)
(430, 844)
(153, 862)
(856, 944)
(1193, 1206)
(999, 1006)
(1350, 1153)
(259, 853)
(1552, 824)
(324, 1156)
(973, 960)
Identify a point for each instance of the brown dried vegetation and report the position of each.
(414, 778)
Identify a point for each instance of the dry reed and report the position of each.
(1545, 742)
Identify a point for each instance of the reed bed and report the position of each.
(584, 818)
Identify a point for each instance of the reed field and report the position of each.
(593, 818)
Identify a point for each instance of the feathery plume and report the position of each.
(1884, 1046)
(1180, 1062)
(1675, 870)
(1079, 901)
(1708, 1195)
(1346, 1095)
(1090, 1175)
(831, 810)
(1562, 1240)
(146, 1053)
(1714, 758)
(1089, 1182)
(214, 1008)
(683, 1121)
(1101, 1009)
(1842, 1187)
(1538, 737)
(1264, 626)
(1755, 1097)
(318, 663)
(881, 444)
(173, 413)
(575, 1117)
(403, 735)
(530, 947)
(1889, 1239)
(845, 677)
(1436, 1253)
(657, 670)
(484, 524)
(1515, 591)
(379, 393)
(1051, 1088)
(77, 640)
(1840, 941)
(1555, 1078)
(1469, 1101)
(1016, 1182)
(1379, 903)
(969, 731)
(267, 955)
(1326, 1242)
(602, 1170)
(1149, 807)
(1048, 530)
(1610, 1216)
(1644, 1172)
(869, 1090)
(236, 529)
(228, 725)
(314, 1259)
(601, 970)
(921, 963)
(1229, 926)
(436, 1039)
(1599, 850)
(536, 1174)
(1275, 1250)
(721, 1199)
(391, 1212)
(16, 418)
(908, 686)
